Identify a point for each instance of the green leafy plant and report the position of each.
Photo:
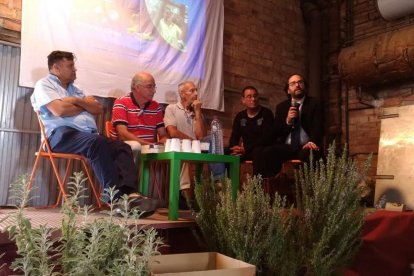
(246, 229)
(332, 217)
(110, 246)
(318, 236)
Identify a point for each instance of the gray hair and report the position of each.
(180, 86)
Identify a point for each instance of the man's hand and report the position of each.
(237, 150)
(311, 146)
(196, 105)
(292, 114)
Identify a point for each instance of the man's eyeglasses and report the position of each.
(192, 90)
(149, 86)
(252, 96)
(293, 83)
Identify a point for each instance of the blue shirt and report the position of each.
(49, 89)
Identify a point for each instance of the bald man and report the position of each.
(136, 118)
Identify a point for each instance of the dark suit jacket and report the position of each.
(311, 121)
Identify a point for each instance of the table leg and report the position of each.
(144, 177)
(175, 167)
(234, 176)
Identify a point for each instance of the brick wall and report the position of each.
(10, 20)
(361, 106)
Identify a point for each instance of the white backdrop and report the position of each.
(113, 39)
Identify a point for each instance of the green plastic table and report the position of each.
(175, 159)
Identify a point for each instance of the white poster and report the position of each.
(175, 40)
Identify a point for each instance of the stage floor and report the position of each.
(53, 218)
(179, 236)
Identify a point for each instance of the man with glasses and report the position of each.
(68, 117)
(249, 125)
(136, 118)
(184, 120)
(298, 129)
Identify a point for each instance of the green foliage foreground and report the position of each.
(318, 236)
(110, 246)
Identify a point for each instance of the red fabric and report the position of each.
(388, 245)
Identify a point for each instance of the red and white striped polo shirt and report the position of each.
(142, 122)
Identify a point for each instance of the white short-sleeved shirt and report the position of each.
(176, 115)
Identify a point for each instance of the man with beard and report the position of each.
(184, 120)
(298, 129)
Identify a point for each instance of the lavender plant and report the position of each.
(318, 236)
(246, 229)
(329, 199)
(109, 246)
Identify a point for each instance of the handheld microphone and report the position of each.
(296, 105)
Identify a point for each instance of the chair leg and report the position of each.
(59, 179)
(32, 176)
(65, 178)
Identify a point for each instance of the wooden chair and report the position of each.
(46, 152)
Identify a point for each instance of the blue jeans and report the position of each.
(111, 161)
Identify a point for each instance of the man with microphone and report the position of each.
(297, 130)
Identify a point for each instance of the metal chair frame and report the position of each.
(45, 151)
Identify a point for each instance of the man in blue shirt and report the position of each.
(68, 117)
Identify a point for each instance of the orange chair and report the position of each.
(45, 152)
(108, 129)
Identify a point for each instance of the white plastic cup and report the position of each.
(186, 145)
(196, 146)
(167, 145)
(205, 146)
(175, 145)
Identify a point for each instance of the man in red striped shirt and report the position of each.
(136, 118)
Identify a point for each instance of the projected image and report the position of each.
(175, 40)
(171, 21)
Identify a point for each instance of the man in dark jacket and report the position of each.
(297, 130)
(249, 125)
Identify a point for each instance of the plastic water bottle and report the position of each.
(216, 137)
(216, 147)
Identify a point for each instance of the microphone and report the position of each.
(296, 105)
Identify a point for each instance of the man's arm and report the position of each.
(125, 135)
(234, 142)
(162, 135)
(199, 127)
(88, 103)
(175, 133)
(61, 108)
(71, 106)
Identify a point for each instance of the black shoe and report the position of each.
(145, 206)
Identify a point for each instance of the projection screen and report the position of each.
(175, 40)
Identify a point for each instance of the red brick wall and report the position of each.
(10, 20)
(363, 122)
